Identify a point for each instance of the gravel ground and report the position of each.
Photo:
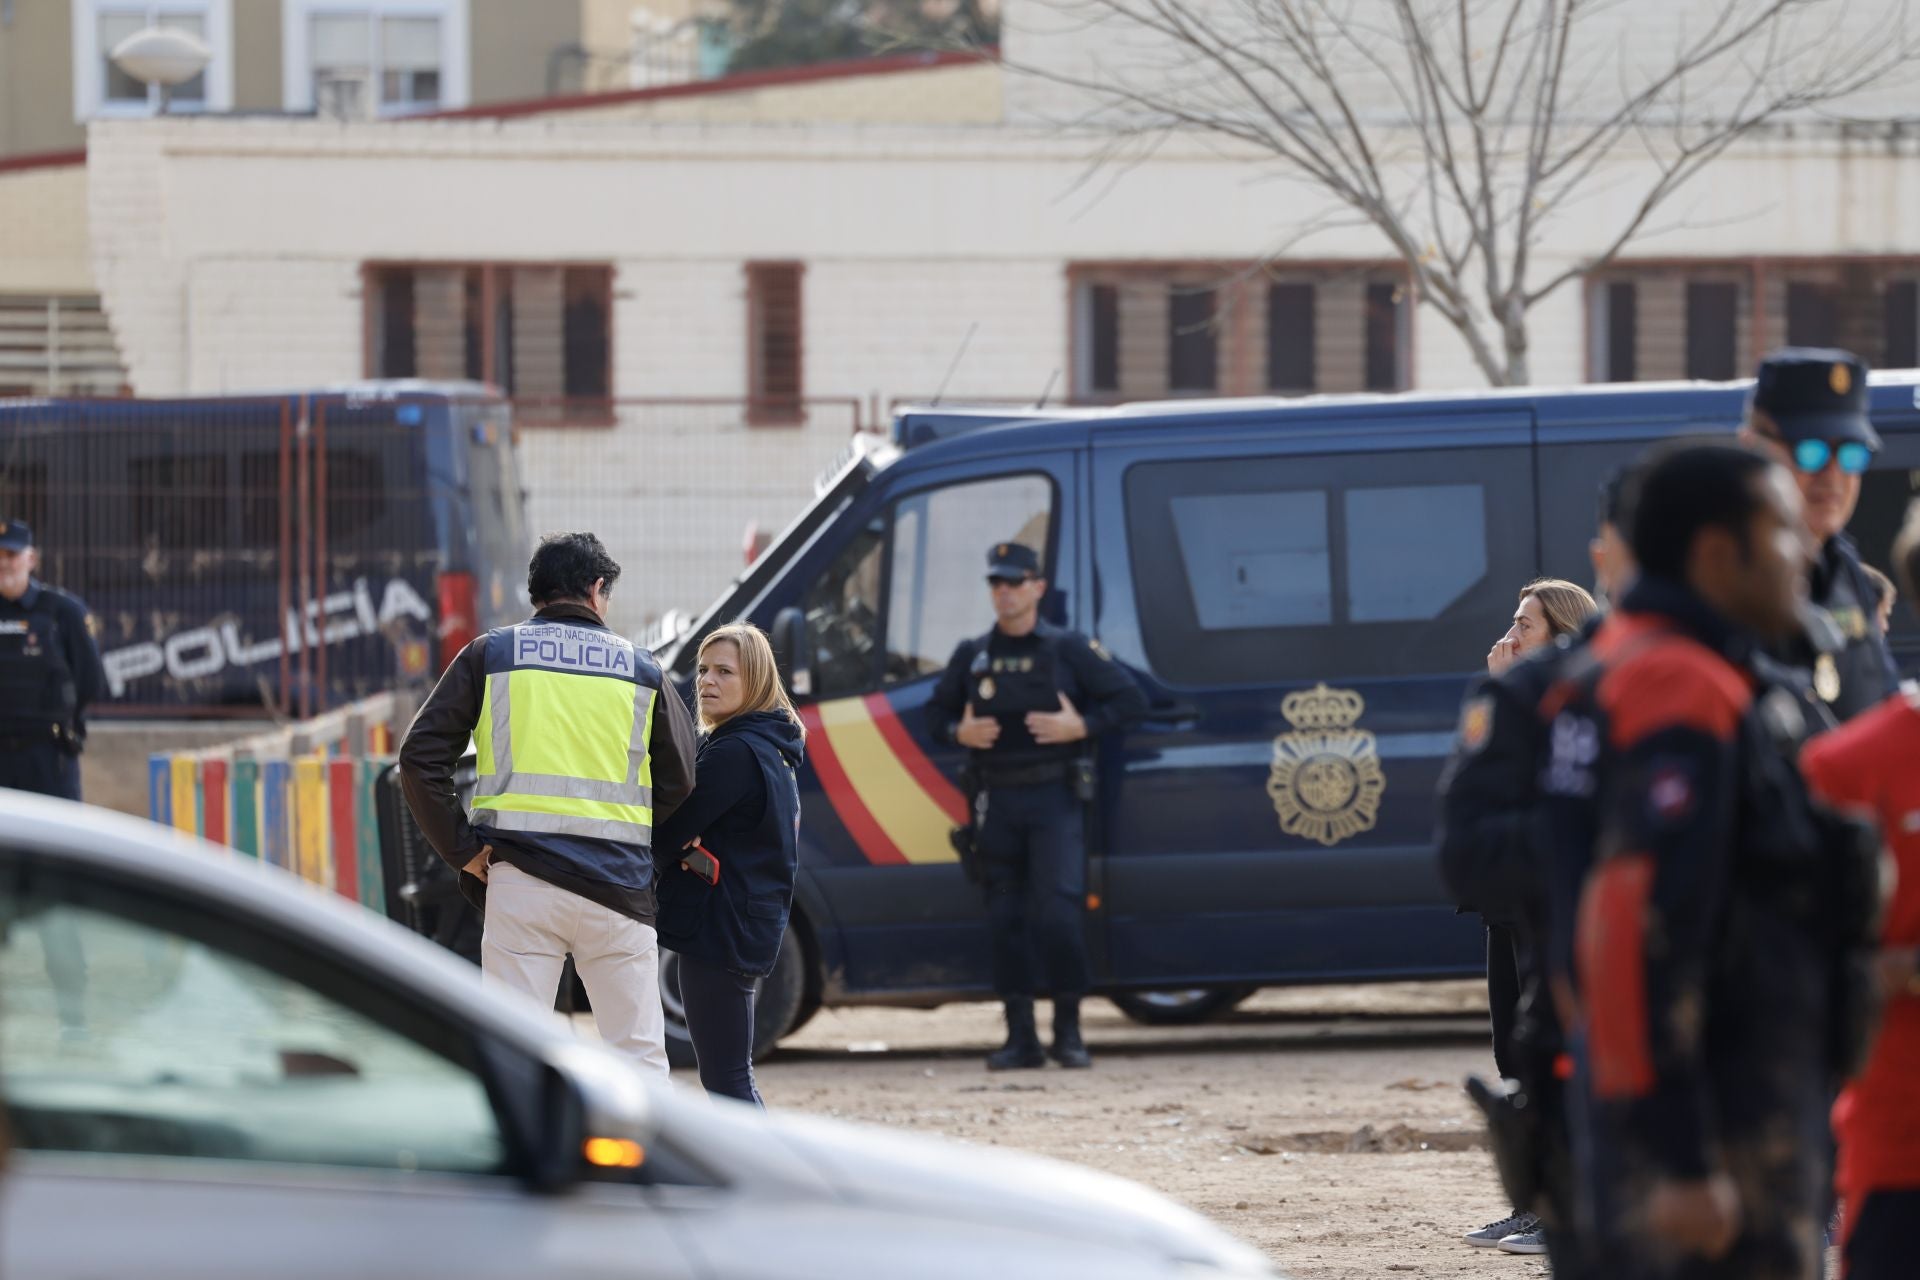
(1324, 1125)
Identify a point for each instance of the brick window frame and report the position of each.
(521, 328)
(1862, 287)
(1242, 302)
(776, 344)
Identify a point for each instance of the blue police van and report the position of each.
(1303, 587)
(290, 551)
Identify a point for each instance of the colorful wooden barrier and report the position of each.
(312, 812)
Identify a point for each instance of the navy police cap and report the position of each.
(15, 535)
(1012, 560)
(1815, 393)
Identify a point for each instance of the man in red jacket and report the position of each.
(1872, 764)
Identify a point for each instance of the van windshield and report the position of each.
(676, 655)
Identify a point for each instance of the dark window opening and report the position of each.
(1291, 350)
(395, 356)
(1623, 331)
(1711, 309)
(1383, 337)
(1901, 325)
(774, 342)
(1813, 314)
(586, 328)
(1193, 342)
(473, 312)
(1103, 323)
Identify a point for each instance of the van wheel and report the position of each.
(1181, 1007)
(775, 1008)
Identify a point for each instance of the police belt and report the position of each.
(1024, 775)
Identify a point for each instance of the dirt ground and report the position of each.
(1326, 1126)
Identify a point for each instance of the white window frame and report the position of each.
(456, 49)
(89, 84)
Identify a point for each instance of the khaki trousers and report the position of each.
(532, 926)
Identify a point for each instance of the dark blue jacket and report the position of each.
(745, 809)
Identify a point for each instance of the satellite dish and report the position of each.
(162, 56)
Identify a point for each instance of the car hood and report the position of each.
(1005, 1189)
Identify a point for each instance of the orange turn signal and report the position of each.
(613, 1153)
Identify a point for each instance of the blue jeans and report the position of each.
(719, 1008)
(1033, 849)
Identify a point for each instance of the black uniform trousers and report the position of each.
(1033, 850)
(46, 769)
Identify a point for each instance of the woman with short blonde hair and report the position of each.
(730, 854)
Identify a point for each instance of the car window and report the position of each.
(129, 1027)
(1884, 495)
(1252, 570)
(936, 584)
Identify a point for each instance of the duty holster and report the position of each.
(965, 838)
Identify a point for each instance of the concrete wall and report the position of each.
(43, 231)
(36, 80)
(512, 41)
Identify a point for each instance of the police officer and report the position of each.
(1023, 699)
(1696, 892)
(1491, 851)
(1809, 412)
(49, 673)
(582, 747)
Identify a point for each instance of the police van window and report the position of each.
(843, 617)
(1255, 570)
(1388, 581)
(936, 594)
(1884, 495)
(1256, 559)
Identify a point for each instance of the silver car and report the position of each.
(213, 1070)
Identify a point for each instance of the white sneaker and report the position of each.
(1490, 1236)
(1533, 1240)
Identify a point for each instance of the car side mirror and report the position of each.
(790, 653)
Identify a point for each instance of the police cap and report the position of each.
(1815, 393)
(1012, 560)
(15, 535)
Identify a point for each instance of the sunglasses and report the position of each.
(994, 580)
(1812, 456)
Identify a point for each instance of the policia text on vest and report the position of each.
(582, 748)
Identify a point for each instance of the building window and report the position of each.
(1622, 302)
(1383, 337)
(1193, 340)
(1103, 337)
(1901, 325)
(1291, 333)
(540, 333)
(1712, 315)
(375, 57)
(775, 383)
(102, 89)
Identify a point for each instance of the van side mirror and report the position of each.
(790, 653)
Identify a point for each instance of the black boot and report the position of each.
(1069, 1050)
(1022, 1050)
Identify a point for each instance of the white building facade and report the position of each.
(695, 316)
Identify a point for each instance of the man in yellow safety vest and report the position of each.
(582, 747)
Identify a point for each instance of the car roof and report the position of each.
(124, 848)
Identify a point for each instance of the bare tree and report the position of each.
(1461, 129)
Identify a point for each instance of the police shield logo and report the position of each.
(1326, 781)
(1476, 724)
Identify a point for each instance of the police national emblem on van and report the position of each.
(1326, 780)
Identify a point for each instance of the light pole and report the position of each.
(162, 56)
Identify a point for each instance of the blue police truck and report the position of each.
(292, 550)
(1303, 587)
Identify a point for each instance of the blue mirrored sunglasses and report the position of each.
(1812, 456)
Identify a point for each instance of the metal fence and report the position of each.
(241, 556)
(673, 486)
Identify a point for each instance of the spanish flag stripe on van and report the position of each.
(841, 795)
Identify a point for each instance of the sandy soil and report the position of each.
(1326, 1126)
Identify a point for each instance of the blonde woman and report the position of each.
(1549, 608)
(731, 851)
